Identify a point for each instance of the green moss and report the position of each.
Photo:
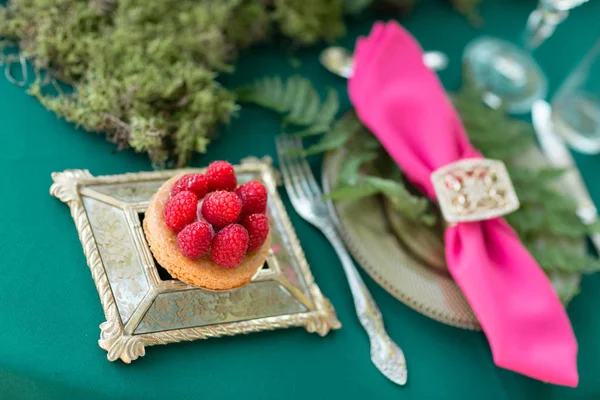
(144, 71)
(310, 20)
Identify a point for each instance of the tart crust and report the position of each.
(202, 272)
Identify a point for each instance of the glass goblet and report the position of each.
(507, 73)
(576, 105)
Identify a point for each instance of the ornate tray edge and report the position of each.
(121, 345)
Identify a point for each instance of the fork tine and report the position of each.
(310, 183)
(293, 177)
(300, 180)
(287, 179)
(297, 175)
(310, 178)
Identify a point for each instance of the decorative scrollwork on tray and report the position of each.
(65, 184)
(129, 348)
(65, 188)
(324, 322)
(118, 345)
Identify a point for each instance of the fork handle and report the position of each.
(366, 309)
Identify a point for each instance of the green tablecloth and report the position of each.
(50, 311)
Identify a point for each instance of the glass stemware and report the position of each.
(576, 105)
(508, 73)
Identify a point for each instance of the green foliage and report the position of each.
(299, 103)
(469, 9)
(309, 20)
(565, 256)
(380, 177)
(296, 99)
(546, 222)
(566, 284)
(144, 71)
(355, 7)
(466, 7)
(413, 207)
(252, 23)
(350, 172)
(335, 137)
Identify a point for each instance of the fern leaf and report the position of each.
(275, 86)
(409, 205)
(528, 176)
(292, 90)
(353, 192)
(563, 258)
(325, 116)
(330, 107)
(296, 99)
(266, 92)
(313, 130)
(533, 197)
(304, 98)
(350, 172)
(310, 112)
(566, 284)
(334, 139)
(502, 148)
(415, 208)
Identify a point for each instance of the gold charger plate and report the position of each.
(406, 259)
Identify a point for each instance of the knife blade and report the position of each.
(558, 155)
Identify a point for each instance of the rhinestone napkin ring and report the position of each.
(474, 189)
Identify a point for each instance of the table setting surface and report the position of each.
(50, 313)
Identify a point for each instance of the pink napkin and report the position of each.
(403, 103)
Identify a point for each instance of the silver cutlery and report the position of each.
(338, 60)
(557, 153)
(308, 201)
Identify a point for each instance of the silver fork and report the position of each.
(308, 201)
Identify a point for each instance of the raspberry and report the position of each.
(257, 226)
(194, 240)
(221, 208)
(195, 183)
(180, 210)
(254, 198)
(220, 176)
(229, 246)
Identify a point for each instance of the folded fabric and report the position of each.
(404, 104)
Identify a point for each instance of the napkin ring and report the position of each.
(474, 189)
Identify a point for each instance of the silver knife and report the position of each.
(557, 153)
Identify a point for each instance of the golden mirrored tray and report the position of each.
(144, 306)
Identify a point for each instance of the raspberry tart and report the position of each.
(208, 232)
